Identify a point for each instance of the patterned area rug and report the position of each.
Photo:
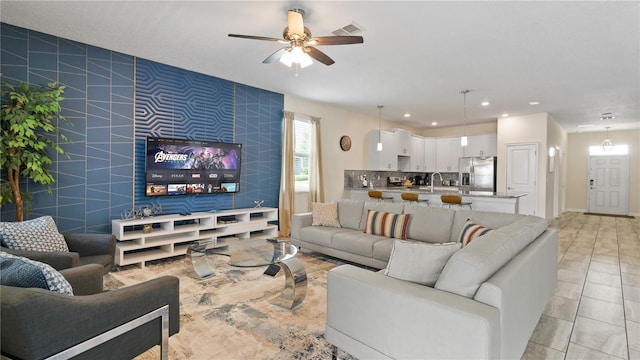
(229, 316)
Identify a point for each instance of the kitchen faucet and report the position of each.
(433, 176)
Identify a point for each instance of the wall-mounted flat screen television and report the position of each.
(191, 167)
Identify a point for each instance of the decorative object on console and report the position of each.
(139, 212)
(39, 234)
(419, 262)
(325, 214)
(258, 203)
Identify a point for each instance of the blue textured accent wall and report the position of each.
(97, 180)
(105, 174)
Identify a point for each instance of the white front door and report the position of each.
(521, 170)
(608, 184)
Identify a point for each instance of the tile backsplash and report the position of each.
(353, 178)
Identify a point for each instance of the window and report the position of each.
(617, 150)
(302, 145)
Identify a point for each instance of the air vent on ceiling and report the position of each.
(351, 29)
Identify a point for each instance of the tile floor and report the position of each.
(594, 312)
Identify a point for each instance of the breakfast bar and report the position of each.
(481, 200)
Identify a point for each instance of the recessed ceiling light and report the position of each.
(485, 103)
(534, 102)
(434, 123)
(407, 115)
(584, 125)
(505, 114)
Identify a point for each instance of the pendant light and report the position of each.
(463, 139)
(379, 147)
(607, 144)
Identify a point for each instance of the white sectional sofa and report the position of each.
(485, 303)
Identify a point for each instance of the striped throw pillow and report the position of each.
(387, 224)
(471, 230)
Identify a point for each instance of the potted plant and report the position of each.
(29, 134)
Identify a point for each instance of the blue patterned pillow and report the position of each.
(22, 272)
(39, 234)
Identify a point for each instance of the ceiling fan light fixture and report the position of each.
(286, 58)
(305, 60)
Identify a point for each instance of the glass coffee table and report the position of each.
(278, 255)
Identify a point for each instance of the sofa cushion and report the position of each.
(387, 224)
(396, 208)
(324, 214)
(320, 235)
(486, 218)
(356, 242)
(22, 272)
(39, 234)
(429, 224)
(382, 249)
(468, 268)
(419, 262)
(349, 213)
(471, 231)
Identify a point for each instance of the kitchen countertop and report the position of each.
(454, 190)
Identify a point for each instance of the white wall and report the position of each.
(334, 124)
(525, 129)
(556, 183)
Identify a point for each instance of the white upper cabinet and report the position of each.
(403, 140)
(482, 145)
(447, 154)
(387, 159)
(430, 150)
(417, 154)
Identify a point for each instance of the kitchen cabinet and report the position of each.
(448, 151)
(417, 154)
(403, 141)
(482, 145)
(430, 149)
(387, 159)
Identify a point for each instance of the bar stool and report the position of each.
(449, 200)
(413, 197)
(377, 195)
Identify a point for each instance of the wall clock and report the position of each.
(345, 143)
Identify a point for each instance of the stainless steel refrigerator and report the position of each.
(477, 173)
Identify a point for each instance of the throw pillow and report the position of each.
(471, 230)
(22, 272)
(39, 234)
(387, 224)
(325, 214)
(418, 262)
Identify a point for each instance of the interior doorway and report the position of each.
(522, 172)
(608, 184)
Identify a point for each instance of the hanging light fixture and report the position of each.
(607, 144)
(463, 139)
(379, 147)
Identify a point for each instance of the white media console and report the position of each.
(171, 235)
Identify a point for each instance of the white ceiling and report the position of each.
(579, 59)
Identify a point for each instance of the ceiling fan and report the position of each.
(300, 48)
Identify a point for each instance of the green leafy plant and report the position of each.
(29, 133)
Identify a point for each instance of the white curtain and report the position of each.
(316, 184)
(287, 183)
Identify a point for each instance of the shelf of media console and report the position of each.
(172, 234)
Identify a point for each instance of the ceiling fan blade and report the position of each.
(275, 56)
(252, 37)
(294, 20)
(336, 40)
(319, 55)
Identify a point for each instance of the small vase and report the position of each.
(147, 228)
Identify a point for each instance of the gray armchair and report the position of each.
(38, 323)
(83, 249)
